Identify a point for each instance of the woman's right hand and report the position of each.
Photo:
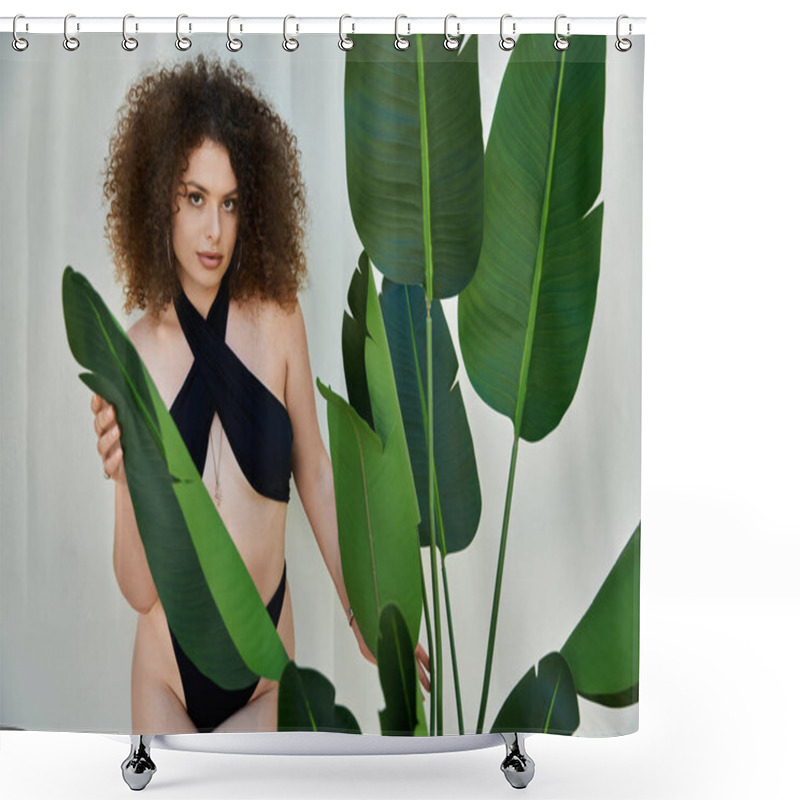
(108, 438)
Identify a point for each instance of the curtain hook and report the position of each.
(18, 43)
(233, 44)
(623, 45)
(345, 42)
(400, 42)
(182, 42)
(129, 43)
(450, 42)
(70, 42)
(289, 44)
(507, 42)
(561, 43)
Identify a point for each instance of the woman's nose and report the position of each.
(214, 225)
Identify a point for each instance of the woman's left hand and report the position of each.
(423, 668)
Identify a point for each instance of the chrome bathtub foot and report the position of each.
(517, 766)
(138, 767)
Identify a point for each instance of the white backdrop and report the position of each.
(719, 596)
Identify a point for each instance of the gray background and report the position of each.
(66, 631)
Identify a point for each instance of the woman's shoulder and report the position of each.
(272, 322)
(152, 333)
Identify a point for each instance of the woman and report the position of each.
(206, 227)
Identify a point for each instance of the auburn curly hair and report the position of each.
(167, 114)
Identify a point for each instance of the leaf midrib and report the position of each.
(424, 409)
(128, 379)
(537, 271)
(426, 169)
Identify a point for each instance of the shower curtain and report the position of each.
(473, 320)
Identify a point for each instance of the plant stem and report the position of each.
(452, 647)
(443, 544)
(497, 586)
(437, 639)
(432, 510)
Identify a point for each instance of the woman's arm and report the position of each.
(311, 465)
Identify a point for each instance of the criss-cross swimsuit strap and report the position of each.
(256, 423)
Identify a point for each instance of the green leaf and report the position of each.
(544, 704)
(376, 512)
(384, 401)
(376, 502)
(603, 650)
(459, 491)
(397, 669)
(306, 702)
(525, 319)
(414, 148)
(209, 598)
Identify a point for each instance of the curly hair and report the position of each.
(167, 114)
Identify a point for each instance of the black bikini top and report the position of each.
(256, 423)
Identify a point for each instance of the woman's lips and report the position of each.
(210, 260)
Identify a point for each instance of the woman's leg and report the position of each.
(260, 714)
(156, 709)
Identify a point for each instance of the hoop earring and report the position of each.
(169, 252)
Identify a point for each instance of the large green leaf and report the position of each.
(397, 669)
(414, 148)
(603, 650)
(376, 512)
(211, 602)
(456, 478)
(306, 702)
(525, 319)
(376, 502)
(546, 703)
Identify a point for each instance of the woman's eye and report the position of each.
(195, 198)
(231, 204)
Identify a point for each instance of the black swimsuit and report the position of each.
(259, 429)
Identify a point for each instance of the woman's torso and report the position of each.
(256, 523)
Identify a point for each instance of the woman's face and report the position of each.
(205, 225)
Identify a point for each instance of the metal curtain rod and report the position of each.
(302, 25)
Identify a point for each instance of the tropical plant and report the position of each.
(525, 312)
(414, 148)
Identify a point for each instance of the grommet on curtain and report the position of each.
(70, 42)
(623, 45)
(289, 44)
(507, 42)
(400, 42)
(233, 44)
(181, 42)
(345, 42)
(450, 42)
(129, 43)
(560, 43)
(18, 43)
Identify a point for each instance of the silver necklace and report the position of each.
(217, 465)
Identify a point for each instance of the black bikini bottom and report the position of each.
(207, 703)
